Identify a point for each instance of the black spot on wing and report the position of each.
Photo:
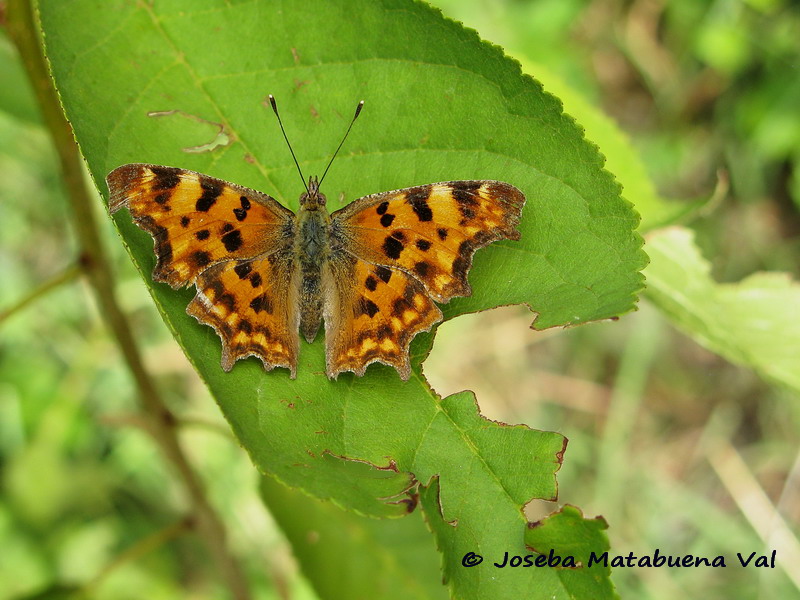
(383, 274)
(203, 234)
(245, 325)
(382, 208)
(211, 191)
(241, 213)
(243, 269)
(232, 240)
(260, 303)
(371, 283)
(162, 199)
(255, 280)
(422, 268)
(200, 258)
(423, 245)
(392, 247)
(165, 178)
(387, 219)
(399, 306)
(442, 233)
(367, 307)
(185, 221)
(418, 199)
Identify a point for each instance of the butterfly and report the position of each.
(372, 271)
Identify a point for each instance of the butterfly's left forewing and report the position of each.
(197, 220)
(422, 240)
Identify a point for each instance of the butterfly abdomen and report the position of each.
(311, 249)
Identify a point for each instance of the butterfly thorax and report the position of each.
(311, 251)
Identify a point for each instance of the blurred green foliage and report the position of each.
(700, 86)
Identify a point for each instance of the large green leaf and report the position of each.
(440, 105)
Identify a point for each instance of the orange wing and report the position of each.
(197, 220)
(235, 244)
(393, 254)
(371, 314)
(431, 231)
(252, 304)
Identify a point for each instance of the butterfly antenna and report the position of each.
(355, 116)
(283, 131)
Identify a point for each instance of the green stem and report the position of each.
(23, 30)
(138, 550)
(65, 276)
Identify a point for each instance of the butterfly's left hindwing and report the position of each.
(252, 304)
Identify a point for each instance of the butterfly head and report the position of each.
(312, 199)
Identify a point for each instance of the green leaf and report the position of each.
(567, 533)
(347, 556)
(440, 105)
(753, 323)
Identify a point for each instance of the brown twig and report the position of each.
(23, 32)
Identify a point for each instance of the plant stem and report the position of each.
(65, 276)
(23, 32)
(138, 550)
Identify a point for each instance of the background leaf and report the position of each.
(344, 555)
(753, 322)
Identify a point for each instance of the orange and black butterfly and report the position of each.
(372, 271)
